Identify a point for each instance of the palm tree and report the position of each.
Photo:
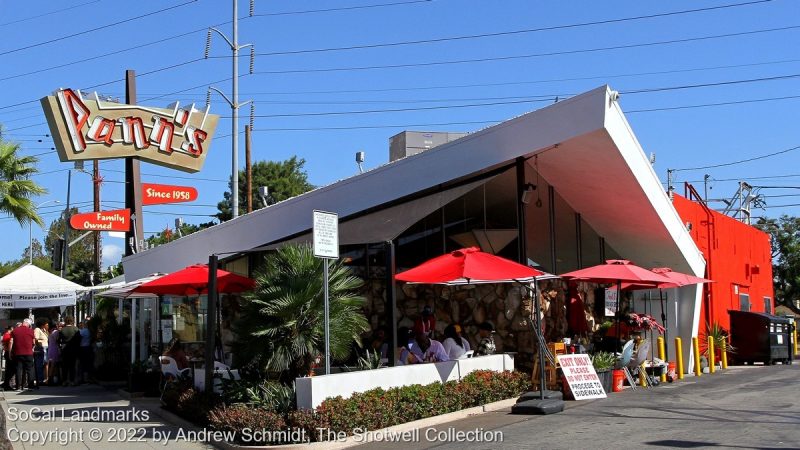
(282, 321)
(16, 187)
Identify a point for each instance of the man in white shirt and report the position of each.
(424, 349)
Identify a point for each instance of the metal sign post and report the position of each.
(326, 246)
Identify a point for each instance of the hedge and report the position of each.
(379, 408)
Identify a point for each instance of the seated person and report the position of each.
(454, 344)
(379, 344)
(486, 346)
(423, 349)
(175, 351)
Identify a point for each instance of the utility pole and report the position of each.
(133, 181)
(233, 102)
(248, 166)
(96, 185)
(705, 187)
(670, 187)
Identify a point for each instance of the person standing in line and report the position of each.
(9, 359)
(22, 347)
(40, 350)
(53, 354)
(70, 342)
(86, 355)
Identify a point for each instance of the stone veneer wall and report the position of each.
(503, 305)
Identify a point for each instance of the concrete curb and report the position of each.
(352, 441)
(5, 444)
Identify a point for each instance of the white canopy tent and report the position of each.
(31, 287)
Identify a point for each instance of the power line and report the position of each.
(707, 105)
(716, 83)
(511, 33)
(344, 8)
(535, 100)
(508, 83)
(170, 176)
(104, 55)
(48, 13)
(363, 127)
(748, 178)
(423, 108)
(91, 30)
(531, 55)
(741, 161)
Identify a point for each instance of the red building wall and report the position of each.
(738, 259)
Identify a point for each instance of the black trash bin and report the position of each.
(760, 337)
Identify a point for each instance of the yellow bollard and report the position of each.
(712, 364)
(662, 355)
(679, 357)
(723, 350)
(795, 338)
(642, 375)
(696, 344)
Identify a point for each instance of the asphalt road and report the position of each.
(741, 407)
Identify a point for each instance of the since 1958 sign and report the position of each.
(159, 194)
(88, 128)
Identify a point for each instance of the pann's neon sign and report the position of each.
(88, 128)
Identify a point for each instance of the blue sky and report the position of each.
(296, 91)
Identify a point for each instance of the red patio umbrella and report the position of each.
(616, 271)
(469, 266)
(680, 279)
(193, 280)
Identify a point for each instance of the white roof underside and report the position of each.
(588, 153)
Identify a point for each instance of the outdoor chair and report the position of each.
(635, 364)
(624, 360)
(170, 372)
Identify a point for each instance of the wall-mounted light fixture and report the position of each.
(527, 193)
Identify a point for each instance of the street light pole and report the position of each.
(66, 226)
(30, 231)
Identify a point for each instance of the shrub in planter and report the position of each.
(269, 395)
(238, 417)
(379, 409)
(603, 362)
(309, 421)
(195, 406)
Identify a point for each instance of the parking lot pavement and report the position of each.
(741, 407)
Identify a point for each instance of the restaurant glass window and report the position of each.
(744, 302)
(184, 318)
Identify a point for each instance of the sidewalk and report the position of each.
(88, 417)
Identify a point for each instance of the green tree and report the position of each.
(39, 260)
(38, 251)
(282, 322)
(81, 255)
(284, 179)
(785, 241)
(169, 235)
(16, 187)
